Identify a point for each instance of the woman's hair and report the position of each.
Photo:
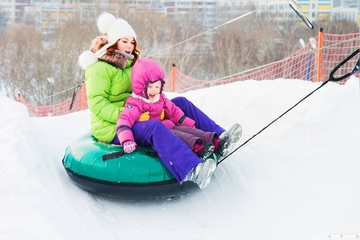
(136, 51)
(98, 43)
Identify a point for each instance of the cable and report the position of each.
(331, 78)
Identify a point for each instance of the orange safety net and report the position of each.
(313, 62)
(76, 103)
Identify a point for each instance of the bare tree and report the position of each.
(337, 26)
(234, 52)
(64, 48)
(2, 21)
(22, 61)
(182, 48)
(29, 59)
(244, 45)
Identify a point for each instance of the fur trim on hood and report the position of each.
(86, 59)
(118, 59)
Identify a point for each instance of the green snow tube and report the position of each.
(105, 169)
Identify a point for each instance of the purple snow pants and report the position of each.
(203, 122)
(175, 154)
(177, 157)
(193, 135)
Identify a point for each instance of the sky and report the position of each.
(298, 179)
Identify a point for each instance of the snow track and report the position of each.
(299, 179)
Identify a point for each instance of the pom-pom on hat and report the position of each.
(114, 29)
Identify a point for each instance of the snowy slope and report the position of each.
(298, 179)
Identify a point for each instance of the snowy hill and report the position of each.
(298, 179)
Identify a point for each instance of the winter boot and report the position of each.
(202, 173)
(228, 140)
(204, 151)
(221, 145)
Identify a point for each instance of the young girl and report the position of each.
(148, 102)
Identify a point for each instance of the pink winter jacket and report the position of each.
(139, 108)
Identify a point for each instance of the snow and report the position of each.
(297, 179)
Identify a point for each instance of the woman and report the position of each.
(107, 77)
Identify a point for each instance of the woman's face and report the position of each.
(126, 44)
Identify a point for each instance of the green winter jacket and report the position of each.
(107, 89)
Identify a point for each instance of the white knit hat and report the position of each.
(114, 28)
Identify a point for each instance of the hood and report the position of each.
(144, 71)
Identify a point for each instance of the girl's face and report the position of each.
(126, 44)
(153, 89)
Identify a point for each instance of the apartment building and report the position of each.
(13, 9)
(346, 3)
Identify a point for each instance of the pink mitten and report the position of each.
(129, 146)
